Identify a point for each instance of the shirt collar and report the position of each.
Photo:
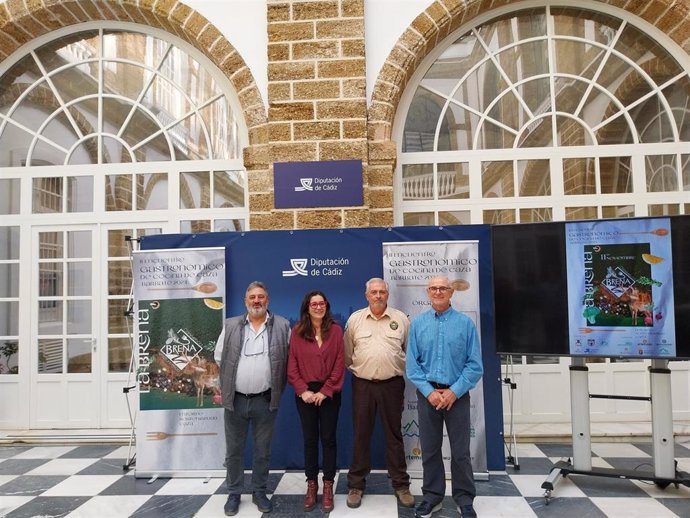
(384, 314)
(442, 313)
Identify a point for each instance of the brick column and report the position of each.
(317, 101)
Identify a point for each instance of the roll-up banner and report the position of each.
(179, 299)
(407, 268)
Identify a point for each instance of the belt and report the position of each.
(383, 381)
(250, 396)
(439, 385)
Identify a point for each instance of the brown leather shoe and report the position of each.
(354, 497)
(310, 497)
(327, 498)
(404, 497)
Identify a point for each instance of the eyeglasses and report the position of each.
(315, 305)
(438, 289)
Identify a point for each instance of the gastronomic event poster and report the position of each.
(620, 288)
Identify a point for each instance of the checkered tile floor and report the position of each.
(88, 481)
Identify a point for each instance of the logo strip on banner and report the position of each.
(407, 268)
(179, 306)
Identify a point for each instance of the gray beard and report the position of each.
(254, 312)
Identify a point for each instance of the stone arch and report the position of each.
(20, 22)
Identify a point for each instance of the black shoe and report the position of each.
(467, 511)
(232, 505)
(425, 509)
(262, 502)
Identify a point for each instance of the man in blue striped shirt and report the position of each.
(444, 362)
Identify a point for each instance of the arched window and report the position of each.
(549, 113)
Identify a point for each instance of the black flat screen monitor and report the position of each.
(530, 275)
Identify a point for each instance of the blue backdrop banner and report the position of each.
(339, 262)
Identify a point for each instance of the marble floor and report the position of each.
(89, 481)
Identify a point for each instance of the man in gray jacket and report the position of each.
(252, 351)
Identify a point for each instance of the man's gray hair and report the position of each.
(376, 280)
(257, 284)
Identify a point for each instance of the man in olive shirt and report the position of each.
(375, 342)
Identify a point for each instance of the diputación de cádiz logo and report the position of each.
(299, 267)
(316, 266)
(305, 185)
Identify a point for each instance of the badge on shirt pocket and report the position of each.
(394, 325)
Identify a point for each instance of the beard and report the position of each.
(257, 311)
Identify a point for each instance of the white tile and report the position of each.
(44, 452)
(4, 479)
(292, 484)
(683, 465)
(530, 485)
(110, 506)
(121, 453)
(416, 487)
(503, 507)
(380, 506)
(10, 503)
(632, 508)
(82, 485)
(669, 492)
(190, 486)
(598, 462)
(525, 450)
(62, 467)
(617, 449)
(214, 507)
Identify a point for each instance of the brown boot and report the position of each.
(310, 497)
(327, 498)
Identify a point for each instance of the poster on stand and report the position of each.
(179, 300)
(620, 288)
(407, 267)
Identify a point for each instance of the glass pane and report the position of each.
(534, 177)
(537, 95)
(616, 130)
(228, 225)
(118, 245)
(119, 354)
(196, 226)
(47, 195)
(79, 244)
(50, 355)
(422, 118)
(536, 215)
(79, 355)
(499, 217)
(616, 175)
(583, 60)
(78, 279)
(537, 134)
(152, 191)
(497, 179)
(685, 168)
(677, 96)
(457, 217)
(572, 133)
(653, 122)
(579, 176)
(641, 48)
(9, 280)
(453, 181)
(80, 194)
(494, 137)
(418, 181)
(575, 213)
(79, 317)
(50, 279)
(223, 129)
(9, 319)
(195, 190)
(126, 79)
(661, 173)
(228, 189)
(619, 211)
(50, 245)
(50, 317)
(669, 209)
(9, 359)
(189, 139)
(117, 321)
(119, 277)
(14, 82)
(118, 192)
(9, 196)
(525, 60)
(412, 219)
(9, 243)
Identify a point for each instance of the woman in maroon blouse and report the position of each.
(316, 369)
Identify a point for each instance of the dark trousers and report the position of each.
(386, 399)
(457, 421)
(319, 422)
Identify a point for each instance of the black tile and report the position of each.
(30, 485)
(680, 452)
(104, 467)
(594, 486)
(564, 508)
(10, 451)
(89, 452)
(680, 506)
(378, 484)
(271, 484)
(644, 465)
(130, 485)
(556, 450)
(20, 466)
(178, 506)
(497, 485)
(53, 506)
(531, 466)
